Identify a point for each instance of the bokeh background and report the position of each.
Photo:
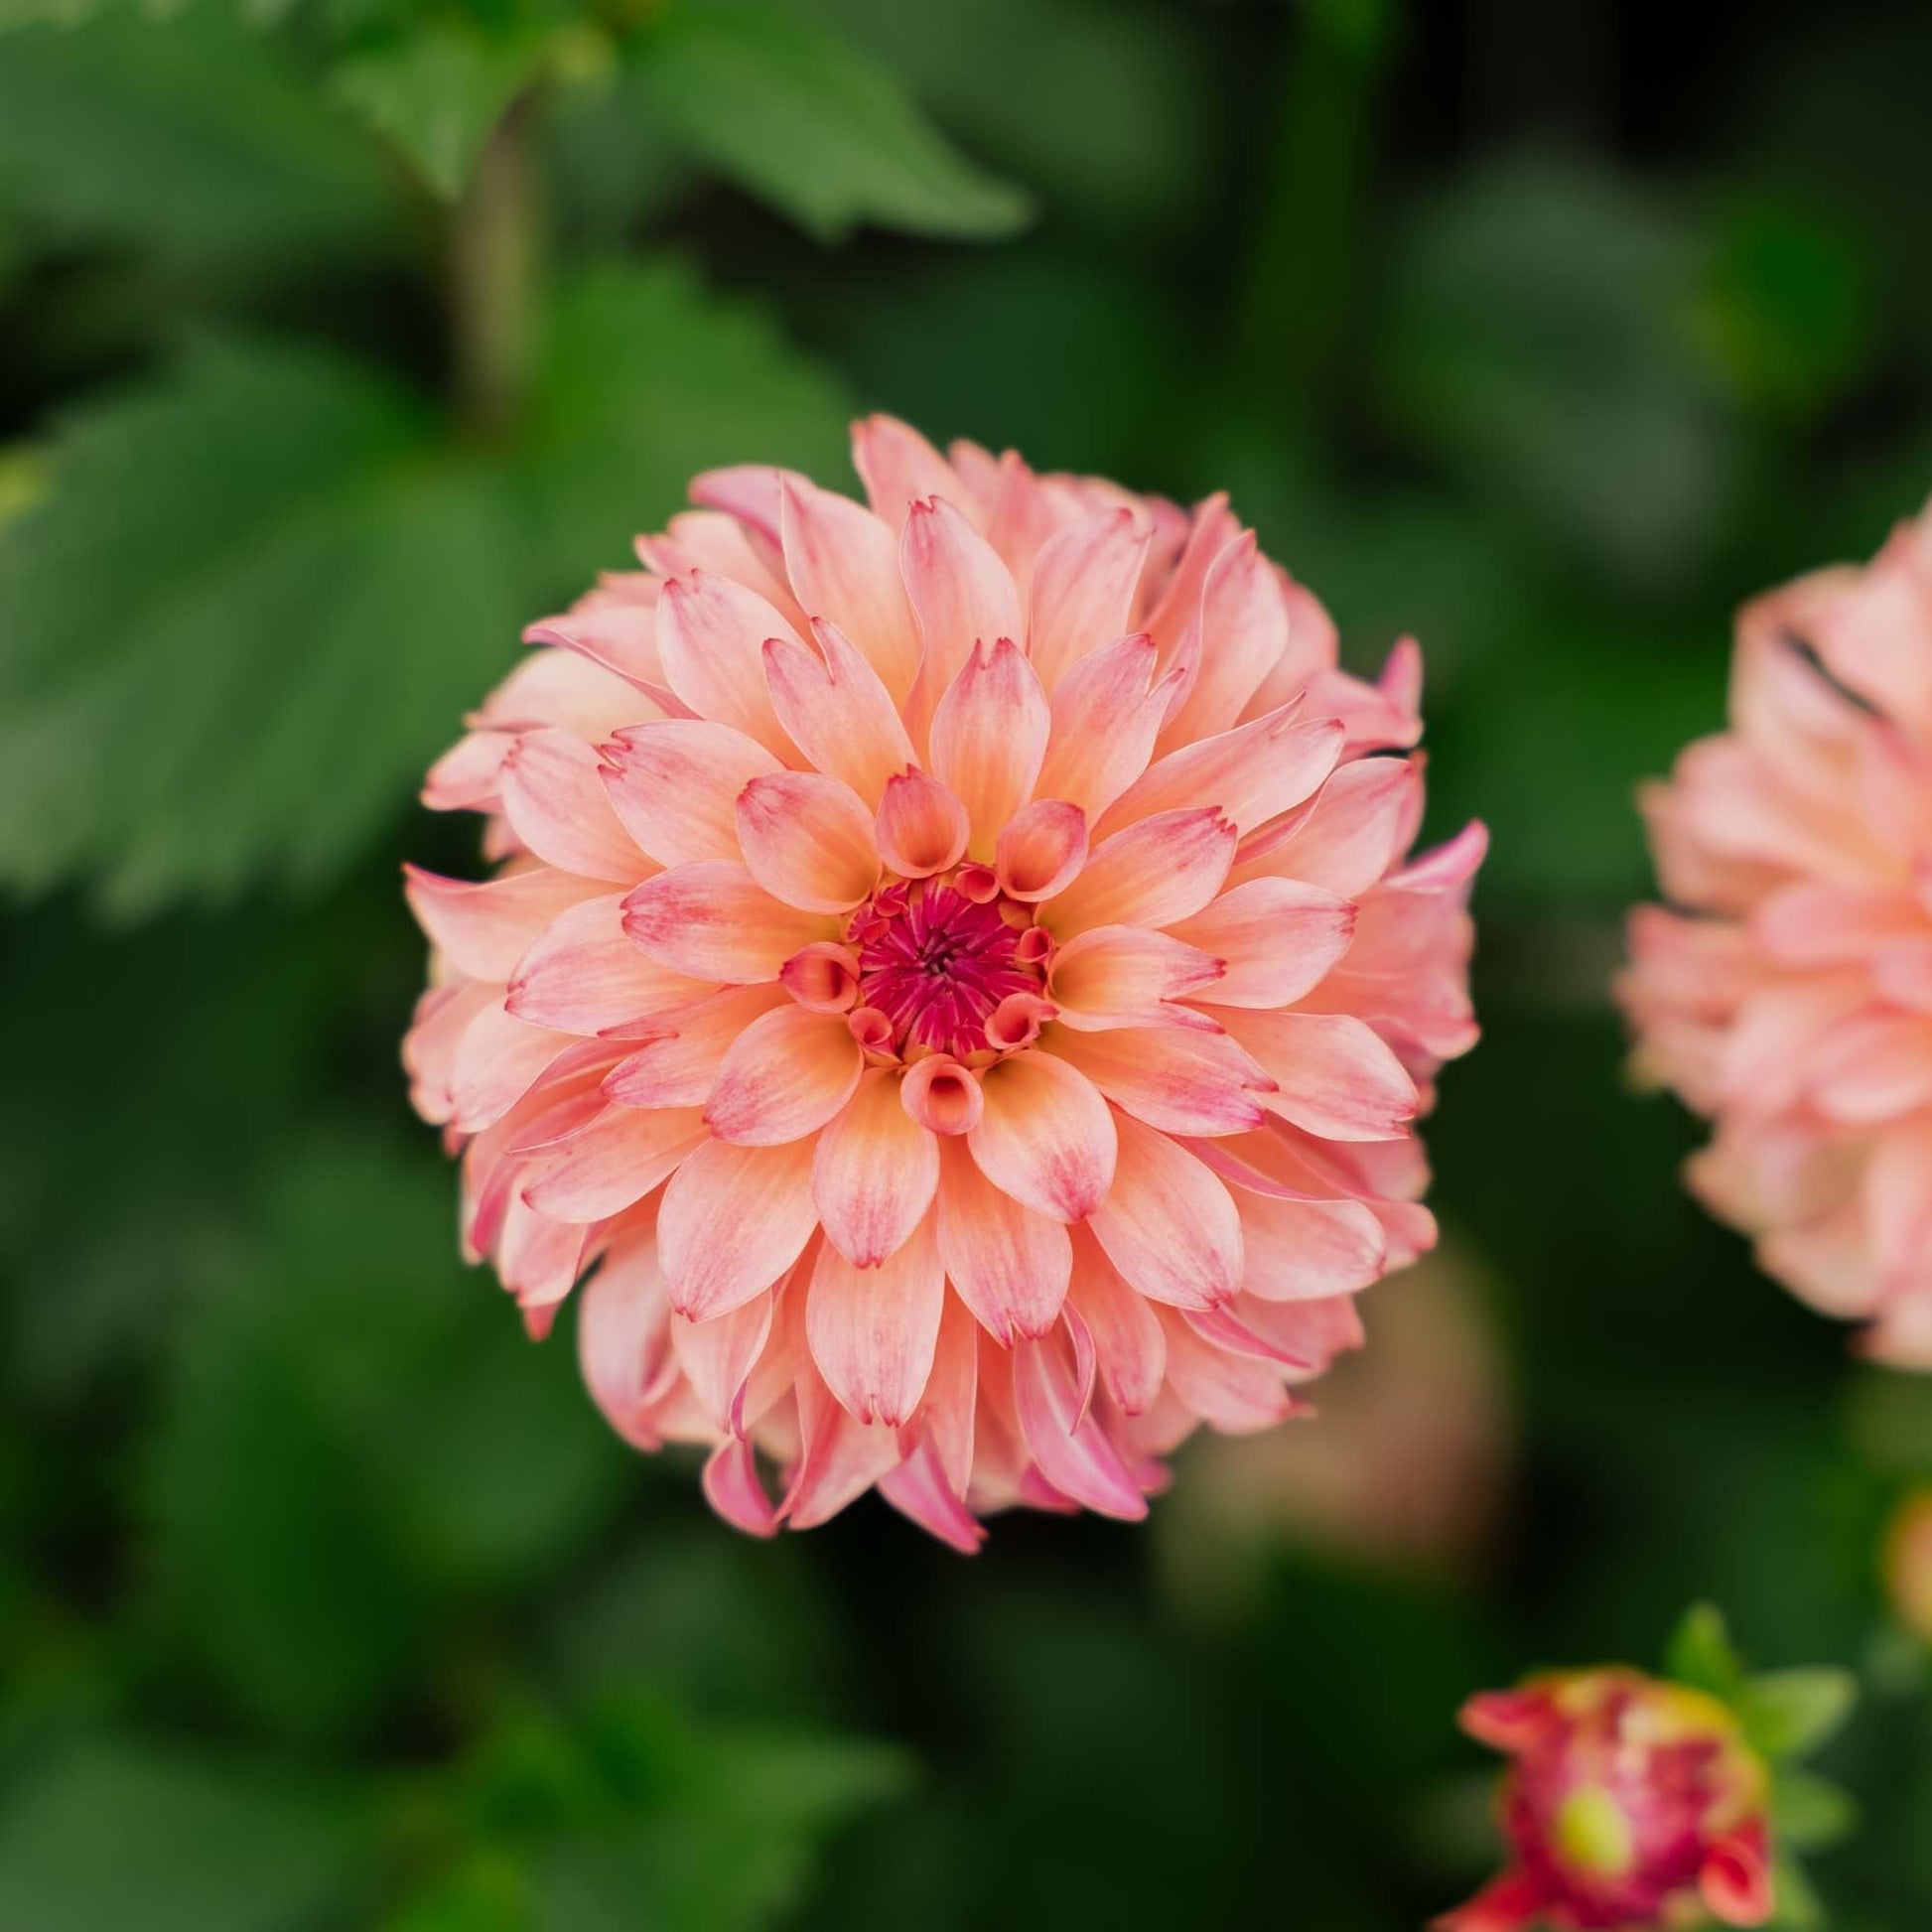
(338, 337)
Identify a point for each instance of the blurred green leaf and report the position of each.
(1700, 1654)
(1791, 1712)
(801, 119)
(121, 1833)
(357, 1437)
(191, 138)
(1798, 1906)
(438, 94)
(647, 379)
(1810, 1813)
(1540, 341)
(247, 611)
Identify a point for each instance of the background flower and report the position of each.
(972, 1048)
(1790, 994)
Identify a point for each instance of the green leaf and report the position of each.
(118, 1833)
(357, 1439)
(248, 609)
(1798, 1906)
(438, 94)
(1791, 1712)
(189, 139)
(647, 378)
(800, 118)
(1700, 1654)
(1809, 1812)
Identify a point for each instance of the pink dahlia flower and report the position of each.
(1629, 1803)
(1790, 994)
(954, 981)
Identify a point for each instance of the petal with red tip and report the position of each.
(484, 928)
(1277, 937)
(961, 594)
(836, 710)
(1126, 976)
(1046, 1137)
(1153, 874)
(921, 827)
(675, 783)
(1083, 585)
(714, 922)
(1009, 1264)
(1167, 1223)
(1106, 712)
(872, 1331)
(807, 839)
(711, 635)
(1180, 1079)
(1333, 1075)
(679, 1063)
(585, 974)
(989, 735)
(898, 467)
(554, 799)
(613, 1160)
(1041, 850)
(842, 562)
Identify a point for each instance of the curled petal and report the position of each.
(923, 826)
(717, 1356)
(942, 1096)
(732, 1487)
(1073, 1451)
(1041, 850)
(824, 976)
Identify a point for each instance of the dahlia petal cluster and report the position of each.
(954, 982)
(1787, 994)
(1628, 1803)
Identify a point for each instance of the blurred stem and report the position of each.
(1295, 308)
(494, 249)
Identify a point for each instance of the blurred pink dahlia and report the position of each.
(1788, 995)
(1629, 1803)
(954, 981)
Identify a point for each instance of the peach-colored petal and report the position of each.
(1354, 829)
(834, 706)
(1009, 1264)
(1277, 938)
(711, 633)
(677, 1064)
(1051, 1399)
(961, 594)
(484, 929)
(1046, 1137)
(731, 1222)
(899, 468)
(718, 1356)
(498, 1059)
(554, 799)
(872, 1331)
(1180, 1079)
(807, 840)
(1235, 641)
(1041, 851)
(1127, 976)
(1083, 585)
(942, 1096)
(712, 920)
(843, 563)
(674, 783)
(585, 975)
(1106, 712)
(1153, 874)
(989, 735)
(785, 1075)
(1333, 1074)
(1168, 1224)
(921, 827)
(615, 1158)
(873, 1174)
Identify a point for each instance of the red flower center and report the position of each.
(938, 963)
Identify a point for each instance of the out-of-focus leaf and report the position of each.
(243, 616)
(1791, 1712)
(190, 138)
(119, 1834)
(1109, 111)
(1540, 341)
(1810, 1813)
(1798, 1906)
(357, 1437)
(803, 120)
(1785, 311)
(646, 379)
(438, 94)
(1700, 1654)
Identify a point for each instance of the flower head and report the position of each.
(1788, 995)
(955, 982)
(1628, 1803)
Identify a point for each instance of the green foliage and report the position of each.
(804, 121)
(1791, 1712)
(115, 1832)
(1700, 1654)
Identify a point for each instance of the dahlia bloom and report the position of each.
(1789, 996)
(954, 981)
(1628, 1803)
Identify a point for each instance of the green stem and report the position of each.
(495, 265)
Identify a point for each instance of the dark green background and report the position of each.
(1548, 332)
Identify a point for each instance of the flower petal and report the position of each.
(1153, 874)
(1041, 850)
(873, 1174)
(1168, 1224)
(675, 783)
(1236, 638)
(1130, 1346)
(1333, 1075)
(989, 735)
(842, 562)
(678, 1064)
(711, 635)
(807, 839)
(1009, 1264)
(1126, 976)
(898, 467)
(1106, 712)
(731, 1222)
(835, 709)
(1180, 1079)
(1046, 1137)
(1277, 937)
(714, 922)
(615, 1159)
(872, 1331)
(1252, 773)
(961, 594)
(785, 1075)
(483, 928)
(921, 827)
(1073, 1451)
(1083, 585)
(717, 1356)
(583, 974)
(553, 796)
